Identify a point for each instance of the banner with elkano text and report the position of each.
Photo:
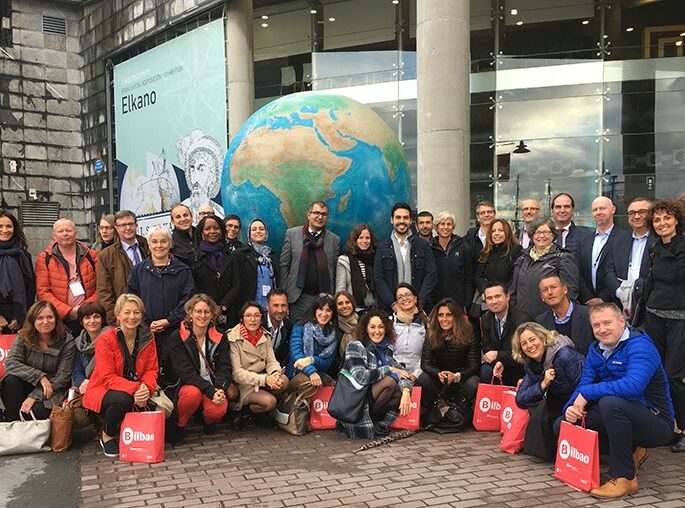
(170, 125)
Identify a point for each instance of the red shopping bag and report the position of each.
(411, 421)
(514, 424)
(319, 419)
(486, 414)
(142, 437)
(6, 342)
(577, 463)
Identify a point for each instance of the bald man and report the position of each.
(596, 250)
(65, 273)
(530, 210)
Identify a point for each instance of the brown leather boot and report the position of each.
(639, 456)
(615, 488)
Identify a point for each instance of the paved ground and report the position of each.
(263, 467)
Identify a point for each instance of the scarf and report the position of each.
(249, 337)
(348, 324)
(313, 333)
(314, 243)
(361, 284)
(15, 271)
(535, 254)
(407, 317)
(215, 254)
(262, 251)
(380, 351)
(86, 346)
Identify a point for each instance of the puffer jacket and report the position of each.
(525, 293)
(409, 341)
(465, 360)
(52, 275)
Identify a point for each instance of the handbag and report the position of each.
(61, 427)
(82, 417)
(160, 402)
(292, 414)
(24, 436)
(348, 399)
(448, 416)
(540, 440)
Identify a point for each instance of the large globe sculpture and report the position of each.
(306, 147)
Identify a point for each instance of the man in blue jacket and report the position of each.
(624, 395)
(403, 258)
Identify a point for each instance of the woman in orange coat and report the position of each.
(126, 370)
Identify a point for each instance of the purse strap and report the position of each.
(209, 365)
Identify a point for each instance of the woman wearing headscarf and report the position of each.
(256, 266)
(17, 281)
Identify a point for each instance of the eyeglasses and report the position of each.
(232, 226)
(633, 213)
(252, 316)
(406, 296)
(204, 214)
(126, 225)
(105, 228)
(542, 233)
(319, 214)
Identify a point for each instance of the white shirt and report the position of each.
(600, 241)
(275, 332)
(636, 253)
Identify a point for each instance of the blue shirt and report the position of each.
(566, 318)
(606, 350)
(129, 250)
(597, 246)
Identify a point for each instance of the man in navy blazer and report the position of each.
(569, 236)
(629, 259)
(595, 251)
(566, 316)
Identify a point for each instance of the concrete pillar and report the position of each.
(443, 129)
(240, 64)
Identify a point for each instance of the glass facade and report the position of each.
(581, 96)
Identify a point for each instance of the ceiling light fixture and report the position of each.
(331, 19)
(313, 11)
(265, 16)
(629, 29)
(395, 1)
(682, 34)
(265, 25)
(679, 43)
(521, 148)
(519, 23)
(586, 22)
(514, 12)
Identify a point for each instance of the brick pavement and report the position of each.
(264, 467)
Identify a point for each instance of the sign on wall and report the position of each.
(170, 123)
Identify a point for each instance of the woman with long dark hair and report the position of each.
(38, 367)
(354, 272)
(496, 260)
(17, 280)
(370, 362)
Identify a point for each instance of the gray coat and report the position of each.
(56, 362)
(343, 281)
(525, 293)
(290, 260)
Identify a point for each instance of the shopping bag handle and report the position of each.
(21, 416)
(492, 380)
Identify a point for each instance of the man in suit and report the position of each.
(403, 258)
(499, 324)
(308, 260)
(595, 252)
(530, 210)
(569, 236)
(628, 264)
(275, 319)
(565, 316)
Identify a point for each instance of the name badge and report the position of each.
(265, 289)
(76, 288)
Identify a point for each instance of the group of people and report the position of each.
(228, 329)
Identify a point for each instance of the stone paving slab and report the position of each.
(268, 468)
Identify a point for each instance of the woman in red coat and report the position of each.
(125, 371)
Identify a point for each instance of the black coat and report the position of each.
(465, 360)
(283, 351)
(453, 267)
(423, 272)
(575, 237)
(498, 267)
(215, 284)
(185, 360)
(581, 331)
(587, 291)
(184, 246)
(665, 288)
(490, 341)
(474, 246)
(619, 263)
(245, 265)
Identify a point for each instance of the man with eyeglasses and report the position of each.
(116, 261)
(308, 260)
(566, 316)
(595, 252)
(530, 210)
(628, 264)
(232, 223)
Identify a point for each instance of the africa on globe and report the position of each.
(310, 146)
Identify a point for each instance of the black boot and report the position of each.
(209, 428)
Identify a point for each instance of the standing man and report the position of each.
(65, 273)
(530, 209)
(115, 261)
(499, 324)
(308, 260)
(424, 225)
(623, 394)
(232, 223)
(403, 258)
(182, 234)
(628, 263)
(275, 319)
(595, 252)
(569, 236)
(204, 211)
(565, 316)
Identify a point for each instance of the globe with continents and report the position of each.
(309, 146)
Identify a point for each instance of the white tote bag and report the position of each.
(24, 436)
